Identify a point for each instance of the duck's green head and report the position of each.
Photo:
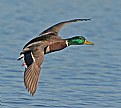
(78, 40)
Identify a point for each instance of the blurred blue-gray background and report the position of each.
(78, 76)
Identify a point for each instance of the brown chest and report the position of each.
(56, 46)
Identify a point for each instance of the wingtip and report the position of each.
(85, 19)
(81, 19)
(32, 94)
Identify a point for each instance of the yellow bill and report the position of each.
(88, 42)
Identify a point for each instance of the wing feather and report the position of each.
(56, 28)
(32, 78)
(32, 72)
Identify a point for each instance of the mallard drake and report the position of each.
(48, 41)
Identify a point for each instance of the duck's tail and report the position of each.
(20, 57)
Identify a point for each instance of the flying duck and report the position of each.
(46, 42)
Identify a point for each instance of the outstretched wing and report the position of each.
(56, 28)
(33, 61)
(53, 30)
